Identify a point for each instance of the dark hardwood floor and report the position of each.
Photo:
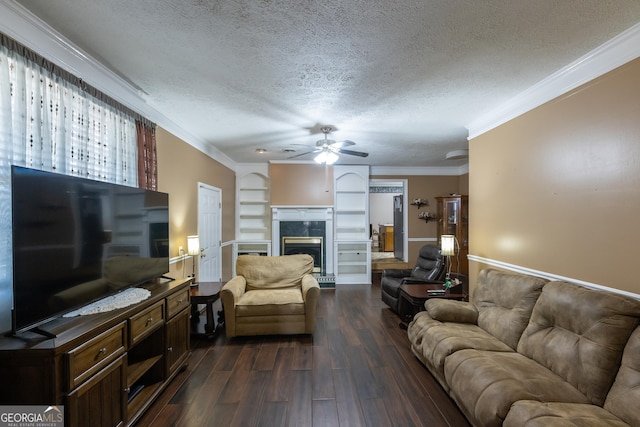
(356, 370)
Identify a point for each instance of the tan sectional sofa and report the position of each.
(527, 352)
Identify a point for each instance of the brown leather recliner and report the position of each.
(429, 269)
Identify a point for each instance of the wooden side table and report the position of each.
(413, 297)
(206, 293)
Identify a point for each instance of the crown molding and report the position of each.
(618, 51)
(419, 170)
(20, 24)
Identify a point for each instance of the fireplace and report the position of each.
(305, 229)
(305, 245)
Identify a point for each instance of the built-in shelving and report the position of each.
(253, 204)
(253, 225)
(352, 246)
(353, 262)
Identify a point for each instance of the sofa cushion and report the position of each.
(531, 413)
(486, 383)
(433, 341)
(504, 302)
(624, 395)
(273, 272)
(580, 334)
(446, 310)
(270, 302)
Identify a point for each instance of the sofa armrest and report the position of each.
(396, 272)
(310, 294)
(229, 294)
(235, 288)
(415, 281)
(445, 310)
(309, 284)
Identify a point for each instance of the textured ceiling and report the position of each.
(401, 78)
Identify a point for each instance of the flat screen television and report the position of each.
(77, 240)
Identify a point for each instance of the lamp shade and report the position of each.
(193, 245)
(447, 244)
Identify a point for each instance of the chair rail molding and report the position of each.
(545, 275)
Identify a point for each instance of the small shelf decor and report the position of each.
(426, 216)
(419, 202)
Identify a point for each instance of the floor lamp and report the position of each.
(447, 249)
(193, 249)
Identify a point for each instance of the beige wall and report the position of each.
(312, 185)
(558, 189)
(425, 187)
(180, 168)
(301, 184)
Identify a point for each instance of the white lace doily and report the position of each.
(123, 299)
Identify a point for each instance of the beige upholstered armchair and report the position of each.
(271, 295)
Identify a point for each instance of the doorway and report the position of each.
(388, 219)
(210, 233)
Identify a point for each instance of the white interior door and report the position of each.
(210, 233)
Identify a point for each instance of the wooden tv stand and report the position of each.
(107, 368)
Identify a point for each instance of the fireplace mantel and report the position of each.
(304, 213)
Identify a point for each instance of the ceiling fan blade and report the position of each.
(304, 154)
(345, 143)
(332, 143)
(352, 153)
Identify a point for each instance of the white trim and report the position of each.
(618, 51)
(548, 276)
(419, 170)
(304, 213)
(396, 170)
(20, 24)
(217, 226)
(178, 258)
(423, 239)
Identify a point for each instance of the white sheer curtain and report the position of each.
(50, 124)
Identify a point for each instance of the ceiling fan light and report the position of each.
(331, 158)
(321, 157)
(326, 156)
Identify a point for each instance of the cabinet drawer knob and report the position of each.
(102, 351)
(149, 320)
(127, 390)
(170, 349)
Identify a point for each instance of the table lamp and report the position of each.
(447, 249)
(193, 249)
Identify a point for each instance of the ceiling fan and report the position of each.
(328, 149)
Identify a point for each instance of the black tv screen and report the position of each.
(76, 241)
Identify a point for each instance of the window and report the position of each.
(52, 123)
